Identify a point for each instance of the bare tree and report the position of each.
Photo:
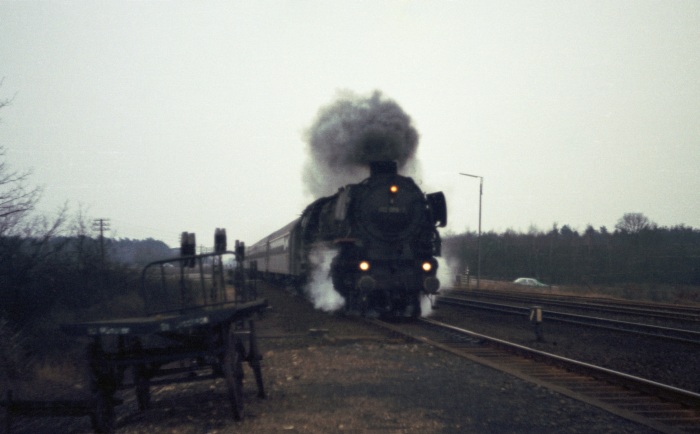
(17, 199)
(634, 222)
(24, 237)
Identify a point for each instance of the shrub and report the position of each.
(14, 355)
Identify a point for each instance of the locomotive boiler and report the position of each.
(383, 235)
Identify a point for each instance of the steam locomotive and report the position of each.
(383, 235)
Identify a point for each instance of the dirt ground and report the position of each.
(325, 373)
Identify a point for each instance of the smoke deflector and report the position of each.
(438, 207)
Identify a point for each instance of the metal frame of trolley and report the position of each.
(197, 325)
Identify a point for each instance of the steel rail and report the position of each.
(607, 301)
(666, 312)
(663, 407)
(666, 333)
(673, 393)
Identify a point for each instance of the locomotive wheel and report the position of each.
(254, 358)
(142, 381)
(418, 309)
(233, 372)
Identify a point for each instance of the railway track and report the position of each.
(648, 330)
(662, 407)
(664, 312)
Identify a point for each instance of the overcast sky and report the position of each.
(186, 116)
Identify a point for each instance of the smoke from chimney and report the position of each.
(352, 132)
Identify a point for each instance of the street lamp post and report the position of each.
(478, 239)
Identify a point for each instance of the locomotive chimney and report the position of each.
(382, 168)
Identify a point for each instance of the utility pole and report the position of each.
(101, 225)
(478, 239)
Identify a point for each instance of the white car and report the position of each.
(528, 281)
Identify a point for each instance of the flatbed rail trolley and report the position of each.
(210, 334)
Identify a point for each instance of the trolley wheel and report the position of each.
(142, 380)
(103, 413)
(254, 358)
(103, 384)
(142, 387)
(233, 372)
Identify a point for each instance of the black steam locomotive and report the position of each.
(383, 233)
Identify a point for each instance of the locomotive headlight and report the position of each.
(394, 189)
(364, 265)
(427, 266)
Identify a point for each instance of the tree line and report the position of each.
(48, 263)
(636, 251)
(69, 271)
(52, 271)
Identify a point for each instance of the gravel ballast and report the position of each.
(325, 373)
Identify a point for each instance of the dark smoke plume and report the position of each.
(350, 133)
